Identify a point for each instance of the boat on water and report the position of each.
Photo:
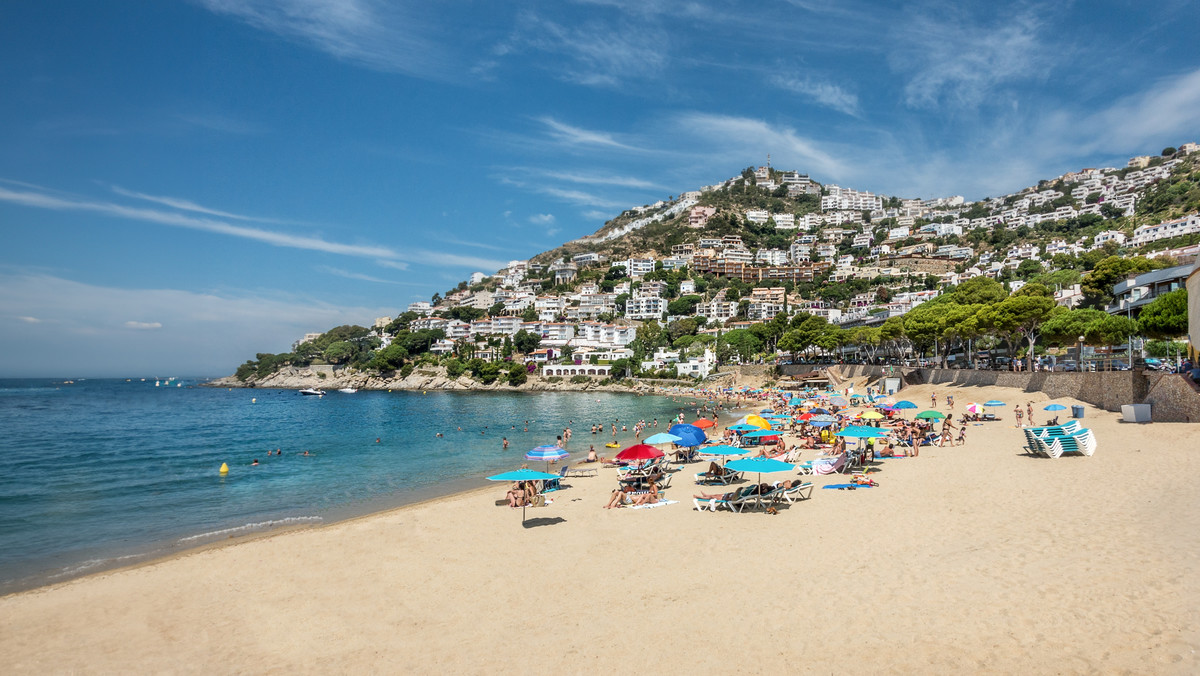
(313, 392)
(347, 390)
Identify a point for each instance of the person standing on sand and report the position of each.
(950, 401)
(1029, 411)
(1019, 414)
(933, 399)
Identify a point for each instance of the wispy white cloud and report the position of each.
(417, 256)
(380, 35)
(541, 219)
(824, 93)
(394, 265)
(596, 215)
(950, 59)
(732, 139)
(221, 123)
(598, 179)
(182, 344)
(358, 276)
(592, 52)
(188, 205)
(43, 201)
(577, 136)
(29, 320)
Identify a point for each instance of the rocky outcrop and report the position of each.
(423, 378)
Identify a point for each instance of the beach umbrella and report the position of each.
(795, 401)
(839, 401)
(662, 438)
(871, 415)
(931, 415)
(758, 421)
(903, 404)
(806, 416)
(1055, 407)
(723, 451)
(758, 434)
(824, 411)
(704, 423)
(546, 454)
(523, 475)
(820, 423)
(767, 410)
(823, 418)
(994, 402)
(861, 432)
(759, 465)
(742, 427)
(689, 435)
(974, 408)
(639, 452)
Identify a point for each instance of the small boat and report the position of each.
(313, 392)
(347, 390)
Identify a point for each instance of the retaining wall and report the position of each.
(1172, 397)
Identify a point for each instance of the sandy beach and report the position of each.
(976, 559)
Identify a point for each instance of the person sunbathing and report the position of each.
(715, 470)
(619, 498)
(648, 498)
(516, 495)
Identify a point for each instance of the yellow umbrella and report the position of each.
(758, 421)
(871, 415)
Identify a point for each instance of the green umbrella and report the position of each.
(931, 415)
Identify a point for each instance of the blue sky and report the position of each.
(183, 184)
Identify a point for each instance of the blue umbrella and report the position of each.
(523, 475)
(820, 423)
(795, 401)
(994, 402)
(689, 435)
(759, 465)
(723, 450)
(862, 432)
(819, 410)
(1055, 407)
(662, 438)
(904, 404)
(767, 410)
(744, 428)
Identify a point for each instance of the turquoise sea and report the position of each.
(101, 473)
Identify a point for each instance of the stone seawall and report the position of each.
(1172, 397)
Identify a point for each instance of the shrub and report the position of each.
(406, 370)
(580, 379)
(554, 379)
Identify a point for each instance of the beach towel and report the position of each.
(848, 487)
(660, 503)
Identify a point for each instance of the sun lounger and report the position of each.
(578, 471)
(723, 479)
(796, 493)
(831, 465)
(1082, 441)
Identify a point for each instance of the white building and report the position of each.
(1152, 233)
(421, 308)
(758, 216)
(645, 307)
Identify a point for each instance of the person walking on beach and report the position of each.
(1019, 414)
(950, 401)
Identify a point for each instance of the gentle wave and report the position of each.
(250, 527)
(90, 564)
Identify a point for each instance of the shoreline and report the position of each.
(970, 558)
(188, 544)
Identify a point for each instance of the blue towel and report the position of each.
(841, 486)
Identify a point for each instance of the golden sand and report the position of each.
(972, 559)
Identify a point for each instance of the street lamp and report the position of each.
(1079, 357)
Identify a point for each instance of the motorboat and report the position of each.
(312, 391)
(347, 390)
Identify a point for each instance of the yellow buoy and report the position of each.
(224, 468)
(254, 401)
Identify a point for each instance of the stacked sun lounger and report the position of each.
(1053, 442)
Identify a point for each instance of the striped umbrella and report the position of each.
(547, 454)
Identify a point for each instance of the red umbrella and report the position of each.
(805, 416)
(703, 423)
(639, 452)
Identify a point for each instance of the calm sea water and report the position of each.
(103, 472)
